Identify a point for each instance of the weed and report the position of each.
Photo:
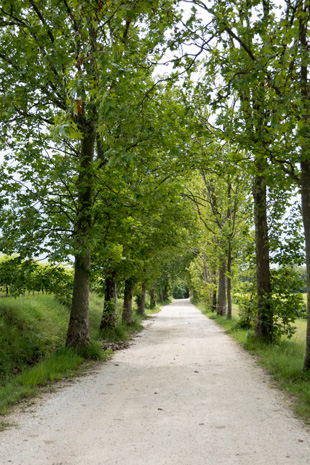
(92, 351)
(6, 424)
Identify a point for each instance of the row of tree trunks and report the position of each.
(108, 320)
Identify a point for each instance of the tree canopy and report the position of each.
(127, 172)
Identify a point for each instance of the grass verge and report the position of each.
(282, 360)
(32, 339)
(32, 353)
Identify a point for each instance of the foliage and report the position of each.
(283, 360)
(180, 290)
(61, 363)
(286, 302)
(31, 327)
(32, 336)
(18, 276)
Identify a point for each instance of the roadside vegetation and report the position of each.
(128, 178)
(32, 344)
(283, 359)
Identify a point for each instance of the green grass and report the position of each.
(32, 344)
(30, 328)
(283, 360)
(122, 331)
(60, 364)
(32, 339)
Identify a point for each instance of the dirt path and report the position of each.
(183, 394)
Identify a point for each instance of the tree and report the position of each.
(217, 196)
(255, 59)
(65, 72)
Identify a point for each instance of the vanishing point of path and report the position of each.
(183, 394)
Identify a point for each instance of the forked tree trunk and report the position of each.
(141, 306)
(221, 304)
(108, 319)
(264, 321)
(127, 308)
(78, 329)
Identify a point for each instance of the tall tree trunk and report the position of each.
(305, 164)
(141, 306)
(229, 303)
(166, 292)
(264, 321)
(221, 304)
(205, 271)
(78, 329)
(214, 300)
(305, 197)
(108, 319)
(127, 309)
(153, 298)
(208, 295)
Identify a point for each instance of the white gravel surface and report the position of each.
(183, 394)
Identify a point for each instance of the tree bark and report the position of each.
(221, 304)
(264, 321)
(305, 164)
(108, 319)
(78, 329)
(141, 306)
(206, 281)
(229, 303)
(153, 298)
(214, 300)
(305, 201)
(166, 292)
(127, 308)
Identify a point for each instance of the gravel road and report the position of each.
(183, 394)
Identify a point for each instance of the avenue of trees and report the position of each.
(152, 146)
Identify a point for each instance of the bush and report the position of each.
(247, 311)
(180, 291)
(286, 303)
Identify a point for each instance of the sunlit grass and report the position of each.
(283, 359)
(32, 343)
(32, 339)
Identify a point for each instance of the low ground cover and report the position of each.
(32, 344)
(283, 360)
